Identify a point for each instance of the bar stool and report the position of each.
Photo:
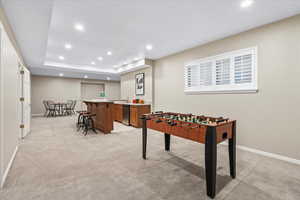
(80, 120)
(88, 123)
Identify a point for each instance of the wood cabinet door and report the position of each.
(120, 113)
(134, 116)
(114, 112)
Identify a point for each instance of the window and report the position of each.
(227, 73)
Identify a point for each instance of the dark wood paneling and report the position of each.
(136, 113)
(118, 112)
(104, 116)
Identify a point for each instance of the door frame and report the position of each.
(23, 70)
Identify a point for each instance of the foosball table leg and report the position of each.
(211, 161)
(144, 137)
(167, 141)
(232, 151)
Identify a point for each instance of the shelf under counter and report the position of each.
(136, 111)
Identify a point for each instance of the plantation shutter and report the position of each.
(193, 76)
(228, 72)
(223, 71)
(199, 75)
(243, 69)
(205, 74)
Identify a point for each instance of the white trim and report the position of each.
(134, 69)
(223, 92)
(75, 67)
(9, 166)
(267, 154)
(37, 115)
(1, 107)
(271, 155)
(205, 59)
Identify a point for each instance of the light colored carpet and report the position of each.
(55, 162)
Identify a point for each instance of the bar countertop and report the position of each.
(97, 101)
(134, 104)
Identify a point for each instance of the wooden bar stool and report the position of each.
(88, 123)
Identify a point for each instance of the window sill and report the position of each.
(222, 92)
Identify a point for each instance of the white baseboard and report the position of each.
(37, 115)
(8, 167)
(267, 154)
(271, 155)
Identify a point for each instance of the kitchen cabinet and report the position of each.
(118, 112)
(136, 111)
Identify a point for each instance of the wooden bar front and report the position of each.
(103, 110)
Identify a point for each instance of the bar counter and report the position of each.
(103, 110)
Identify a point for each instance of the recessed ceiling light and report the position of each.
(100, 58)
(61, 74)
(125, 63)
(149, 47)
(246, 3)
(93, 63)
(79, 27)
(108, 78)
(85, 76)
(68, 46)
(109, 53)
(61, 58)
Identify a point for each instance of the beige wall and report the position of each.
(128, 85)
(63, 89)
(10, 113)
(267, 120)
(10, 33)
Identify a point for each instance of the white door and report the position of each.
(26, 101)
(90, 91)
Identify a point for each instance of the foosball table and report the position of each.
(206, 130)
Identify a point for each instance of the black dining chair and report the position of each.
(73, 107)
(46, 108)
(68, 108)
(52, 109)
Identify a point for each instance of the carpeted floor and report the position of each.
(55, 162)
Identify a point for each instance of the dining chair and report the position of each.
(52, 109)
(46, 108)
(73, 107)
(68, 108)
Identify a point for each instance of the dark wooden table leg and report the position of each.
(211, 161)
(144, 131)
(232, 152)
(167, 141)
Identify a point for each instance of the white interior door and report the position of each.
(90, 91)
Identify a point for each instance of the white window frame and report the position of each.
(232, 87)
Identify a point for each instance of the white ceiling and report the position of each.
(42, 27)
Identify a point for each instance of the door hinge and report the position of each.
(22, 99)
(22, 126)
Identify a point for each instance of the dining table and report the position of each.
(59, 107)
